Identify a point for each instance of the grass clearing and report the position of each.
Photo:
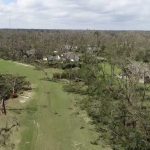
(107, 67)
(48, 121)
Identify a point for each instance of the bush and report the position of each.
(67, 74)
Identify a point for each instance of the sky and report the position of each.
(75, 14)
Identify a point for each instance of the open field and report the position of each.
(48, 120)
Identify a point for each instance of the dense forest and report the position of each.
(15, 44)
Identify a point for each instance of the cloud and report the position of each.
(75, 14)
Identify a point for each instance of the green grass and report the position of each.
(107, 67)
(47, 122)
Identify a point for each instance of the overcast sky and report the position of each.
(76, 14)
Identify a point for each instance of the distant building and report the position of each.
(55, 52)
(53, 58)
(91, 49)
(45, 59)
(50, 58)
(70, 56)
(64, 57)
(68, 47)
(138, 70)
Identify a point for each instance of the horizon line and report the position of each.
(74, 29)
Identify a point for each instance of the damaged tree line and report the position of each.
(119, 107)
(10, 87)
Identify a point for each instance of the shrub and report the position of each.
(11, 85)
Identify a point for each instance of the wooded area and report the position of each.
(110, 68)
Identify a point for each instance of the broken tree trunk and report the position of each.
(3, 107)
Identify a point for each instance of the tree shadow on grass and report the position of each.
(30, 110)
(46, 79)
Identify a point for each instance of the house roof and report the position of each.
(71, 56)
(52, 58)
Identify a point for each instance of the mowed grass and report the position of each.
(48, 121)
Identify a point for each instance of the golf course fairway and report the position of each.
(48, 121)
